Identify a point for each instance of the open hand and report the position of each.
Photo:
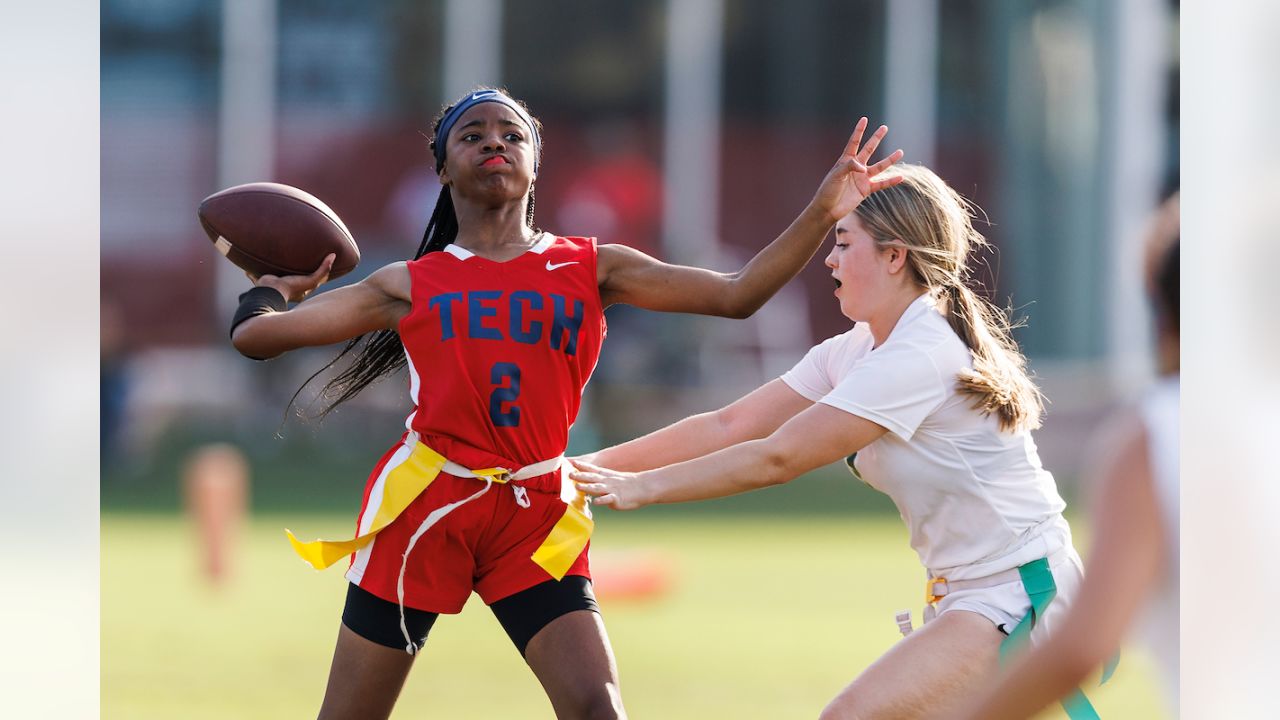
(296, 287)
(618, 490)
(851, 180)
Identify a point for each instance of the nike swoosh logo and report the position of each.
(553, 266)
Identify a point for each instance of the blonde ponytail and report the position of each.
(935, 224)
(999, 379)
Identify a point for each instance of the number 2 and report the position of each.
(504, 393)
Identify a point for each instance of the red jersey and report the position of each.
(499, 352)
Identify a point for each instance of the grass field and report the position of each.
(764, 618)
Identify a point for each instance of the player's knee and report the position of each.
(588, 699)
(601, 702)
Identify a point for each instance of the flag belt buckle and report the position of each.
(931, 590)
(502, 476)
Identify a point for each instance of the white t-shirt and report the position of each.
(974, 497)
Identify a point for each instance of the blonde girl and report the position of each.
(932, 394)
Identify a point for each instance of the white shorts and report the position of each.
(1005, 605)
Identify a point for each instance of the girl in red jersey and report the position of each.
(499, 326)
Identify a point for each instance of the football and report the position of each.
(273, 229)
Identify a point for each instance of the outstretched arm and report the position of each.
(754, 416)
(375, 303)
(1120, 573)
(816, 437)
(629, 276)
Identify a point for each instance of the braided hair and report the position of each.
(379, 354)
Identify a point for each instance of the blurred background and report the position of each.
(693, 130)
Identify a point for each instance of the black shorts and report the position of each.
(522, 615)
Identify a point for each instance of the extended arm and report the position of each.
(629, 276)
(752, 417)
(375, 303)
(1121, 571)
(815, 437)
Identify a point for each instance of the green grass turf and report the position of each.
(764, 618)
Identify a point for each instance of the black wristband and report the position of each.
(256, 301)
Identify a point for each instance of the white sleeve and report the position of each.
(812, 376)
(896, 388)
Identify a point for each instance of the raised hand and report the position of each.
(618, 490)
(296, 287)
(850, 181)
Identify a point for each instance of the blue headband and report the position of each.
(483, 96)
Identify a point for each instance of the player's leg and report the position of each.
(573, 660)
(925, 673)
(556, 626)
(365, 678)
(370, 663)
